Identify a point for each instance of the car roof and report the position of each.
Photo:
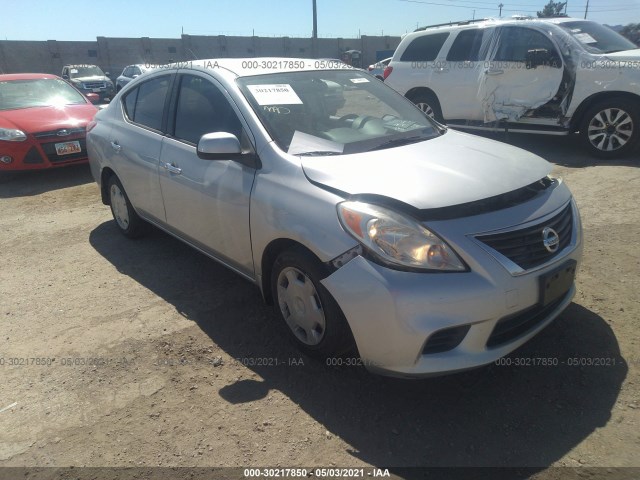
(26, 76)
(246, 67)
(516, 20)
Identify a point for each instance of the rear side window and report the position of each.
(145, 104)
(466, 46)
(424, 48)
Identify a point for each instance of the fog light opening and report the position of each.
(6, 159)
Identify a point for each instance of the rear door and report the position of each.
(136, 141)
(458, 75)
(207, 201)
(510, 86)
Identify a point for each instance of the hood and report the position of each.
(43, 119)
(625, 55)
(93, 78)
(452, 169)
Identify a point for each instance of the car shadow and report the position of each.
(529, 415)
(561, 150)
(35, 182)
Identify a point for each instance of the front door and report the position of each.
(511, 86)
(206, 201)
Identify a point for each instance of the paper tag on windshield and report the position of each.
(585, 38)
(280, 94)
(359, 80)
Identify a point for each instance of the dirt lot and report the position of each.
(122, 353)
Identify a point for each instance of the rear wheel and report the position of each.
(611, 128)
(429, 104)
(311, 316)
(127, 220)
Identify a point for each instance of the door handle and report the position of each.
(494, 72)
(172, 169)
(116, 146)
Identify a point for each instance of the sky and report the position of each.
(72, 20)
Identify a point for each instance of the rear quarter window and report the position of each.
(466, 46)
(424, 48)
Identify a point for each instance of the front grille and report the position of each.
(525, 247)
(94, 85)
(54, 133)
(445, 340)
(513, 326)
(50, 151)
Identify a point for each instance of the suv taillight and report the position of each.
(387, 71)
(90, 125)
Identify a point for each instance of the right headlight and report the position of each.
(12, 135)
(396, 239)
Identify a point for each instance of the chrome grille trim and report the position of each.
(512, 267)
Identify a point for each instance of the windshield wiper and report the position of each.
(319, 153)
(399, 141)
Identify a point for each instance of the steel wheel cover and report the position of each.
(300, 306)
(119, 206)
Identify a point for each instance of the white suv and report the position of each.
(554, 76)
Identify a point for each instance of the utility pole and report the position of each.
(586, 10)
(500, 7)
(474, 15)
(314, 39)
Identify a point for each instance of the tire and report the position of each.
(307, 311)
(611, 128)
(429, 104)
(126, 218)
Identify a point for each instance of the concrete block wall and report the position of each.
(113, 54)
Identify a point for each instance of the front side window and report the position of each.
(144, 105)
(424, 48)
(329, 112)
(202, 108)
(516, 42)
(39, 92)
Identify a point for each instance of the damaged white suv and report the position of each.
(553, 76)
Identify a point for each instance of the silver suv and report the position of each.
(552, 76)
(370, 227)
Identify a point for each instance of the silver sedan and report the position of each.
(381, 237)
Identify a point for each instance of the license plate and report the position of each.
(97, 90)
(67, 148)
(556, 283)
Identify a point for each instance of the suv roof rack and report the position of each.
(449, 24)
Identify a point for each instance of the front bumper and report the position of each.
(394, 314)
(40, 153)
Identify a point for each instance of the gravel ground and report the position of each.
(143, 353)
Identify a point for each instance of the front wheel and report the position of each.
(311, 316)
(611, 128)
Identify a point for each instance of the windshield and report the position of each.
(597, 38)
(85, 71)
(333, 112)
(39, 92)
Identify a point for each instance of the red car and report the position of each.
(42, 122)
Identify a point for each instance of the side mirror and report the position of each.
(107, 74)
(539, 57)
(65, 77)
(134, 76)
(224, 146)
